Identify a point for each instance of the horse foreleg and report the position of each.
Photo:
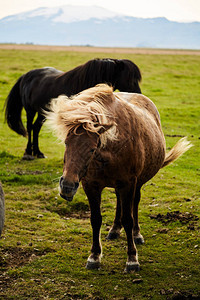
(114, 232)
(138, 238)
(127, 194)
(94, 196)
(36, 129)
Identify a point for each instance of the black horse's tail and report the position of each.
(13, 108)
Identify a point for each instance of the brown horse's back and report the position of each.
(147, 128)
(142, 102)
(140, 147)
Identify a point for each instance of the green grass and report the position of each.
(46, 241)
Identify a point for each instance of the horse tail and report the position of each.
(13, 108)
(181, 147)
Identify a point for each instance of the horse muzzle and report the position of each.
(68, 189)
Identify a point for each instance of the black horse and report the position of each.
(35, 89)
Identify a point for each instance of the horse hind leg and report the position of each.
(36, 129)
(127, 194)
(115, 230)
(138, 238)
(28, 155)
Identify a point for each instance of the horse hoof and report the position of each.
(28, 157)
(93, 265)
(113, 235)
(40, 155)
(132, 266)
(138, 239)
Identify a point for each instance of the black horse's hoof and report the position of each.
(138, 240)
(28, 156)
(41, 155)
(113, 235)
(93, 265)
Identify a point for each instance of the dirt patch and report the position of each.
(100, 49)
(183, 217)
(170, 294)
(16, 256)
(27, 172)
(79, 215)
(13, 257)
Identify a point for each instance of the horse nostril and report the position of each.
(67, 186)
(61, 181)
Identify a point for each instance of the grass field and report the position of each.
(46, 241)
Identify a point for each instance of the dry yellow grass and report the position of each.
(100, 49)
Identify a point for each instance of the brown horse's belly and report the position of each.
(152, 165)
(141, 159)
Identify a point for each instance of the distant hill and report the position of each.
(96, 26)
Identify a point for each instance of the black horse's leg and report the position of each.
(36, 129)
(93, 193)
(28, 152)
(127, 193)
(114, 232)
(138, 238)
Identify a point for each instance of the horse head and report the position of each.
(128, 76)
(80, 148)
(84, 123)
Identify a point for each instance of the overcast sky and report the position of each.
(176, 10)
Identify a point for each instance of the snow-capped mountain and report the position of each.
(66, 14)
(96, 26)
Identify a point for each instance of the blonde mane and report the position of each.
(90, 108)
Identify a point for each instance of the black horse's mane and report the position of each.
(103, 71)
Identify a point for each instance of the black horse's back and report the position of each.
(13, 109)
(38, 87)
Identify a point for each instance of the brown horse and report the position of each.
(112, 140)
